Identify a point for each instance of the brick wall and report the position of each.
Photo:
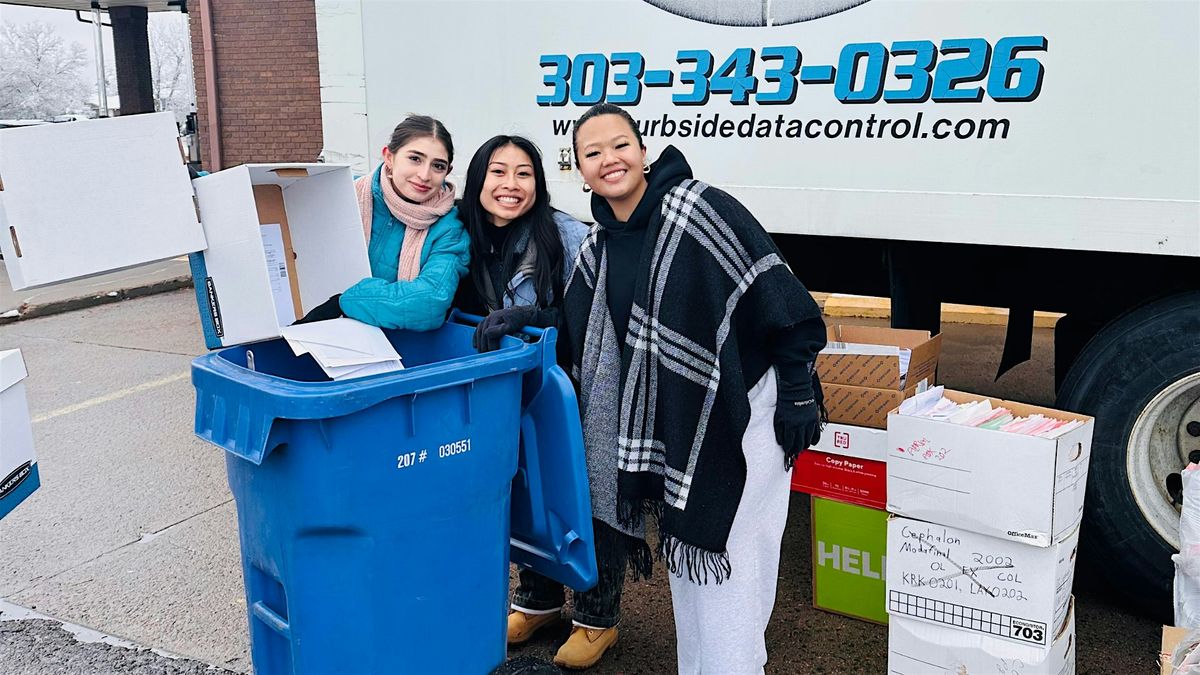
(268, 86)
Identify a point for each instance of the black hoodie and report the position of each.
(625, 240)
(791, 350)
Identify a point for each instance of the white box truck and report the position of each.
(1022, 154)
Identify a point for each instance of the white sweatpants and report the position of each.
(719, 627)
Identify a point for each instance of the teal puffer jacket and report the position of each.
(420, 304)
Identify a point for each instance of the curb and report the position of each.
(84, 302)
(87, 635)
(866, 307)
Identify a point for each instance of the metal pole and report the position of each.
(101, 85)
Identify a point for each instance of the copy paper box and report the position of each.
(18, 466)
(875, 370)
(864, 406)
(282, 239)
(1006, 485)
(977, 583)
(54, 227)
(848, 544)
(852, 441)
(846, 465)
(917, 648)
(846, 479)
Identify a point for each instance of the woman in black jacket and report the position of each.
(692, 344)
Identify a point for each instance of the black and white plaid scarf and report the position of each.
(711, 287)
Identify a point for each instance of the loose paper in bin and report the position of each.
(344, 347)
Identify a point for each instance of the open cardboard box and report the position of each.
(282, 239)
(860, 389)
(274, 240)
(974, 582)
(917, 648)
(1016, 487)
(18, 465)
(879, 371)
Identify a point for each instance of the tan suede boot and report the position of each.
(522, 626)
(585, 647)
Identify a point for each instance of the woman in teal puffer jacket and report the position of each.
(416, 243)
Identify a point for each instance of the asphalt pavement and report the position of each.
(132, 540)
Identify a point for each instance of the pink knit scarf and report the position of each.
(416, 218)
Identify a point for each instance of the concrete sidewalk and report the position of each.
(167, 275)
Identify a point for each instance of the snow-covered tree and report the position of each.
(40, 73)
(171, 64)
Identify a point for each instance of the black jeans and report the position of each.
(599, 607)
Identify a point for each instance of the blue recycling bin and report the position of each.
(374, 514)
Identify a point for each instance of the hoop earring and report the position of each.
(645, 167)
(586, 188)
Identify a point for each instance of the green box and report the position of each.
(849, 545)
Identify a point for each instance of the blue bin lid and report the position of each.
(551, 498)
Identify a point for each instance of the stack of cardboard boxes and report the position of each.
(865, 372)
(981, 546)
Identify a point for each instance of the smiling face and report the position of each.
(418, 168)
(509, 188)
(611, 161)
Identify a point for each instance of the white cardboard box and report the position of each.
(917, 648)
(83, 198)
(977, 583)
(18, 465)
(1012, 486)
(248, 284)
(851, 441)
(239, 300)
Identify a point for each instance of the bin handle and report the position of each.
(273, 620)
(533, 472)
(547, 337)
(459, 316)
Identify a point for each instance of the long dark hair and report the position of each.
(547, 276)
(420, 126)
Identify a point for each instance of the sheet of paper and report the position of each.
(971, 411)
(1064, 428)
(923, 402)
(344, 347)
(277, 274)
(370, 369)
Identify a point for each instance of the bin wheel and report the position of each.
(1140, 378)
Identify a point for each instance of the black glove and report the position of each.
(330, 309)
(797, 414)
(499, 323)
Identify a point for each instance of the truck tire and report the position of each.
(1140, 378)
